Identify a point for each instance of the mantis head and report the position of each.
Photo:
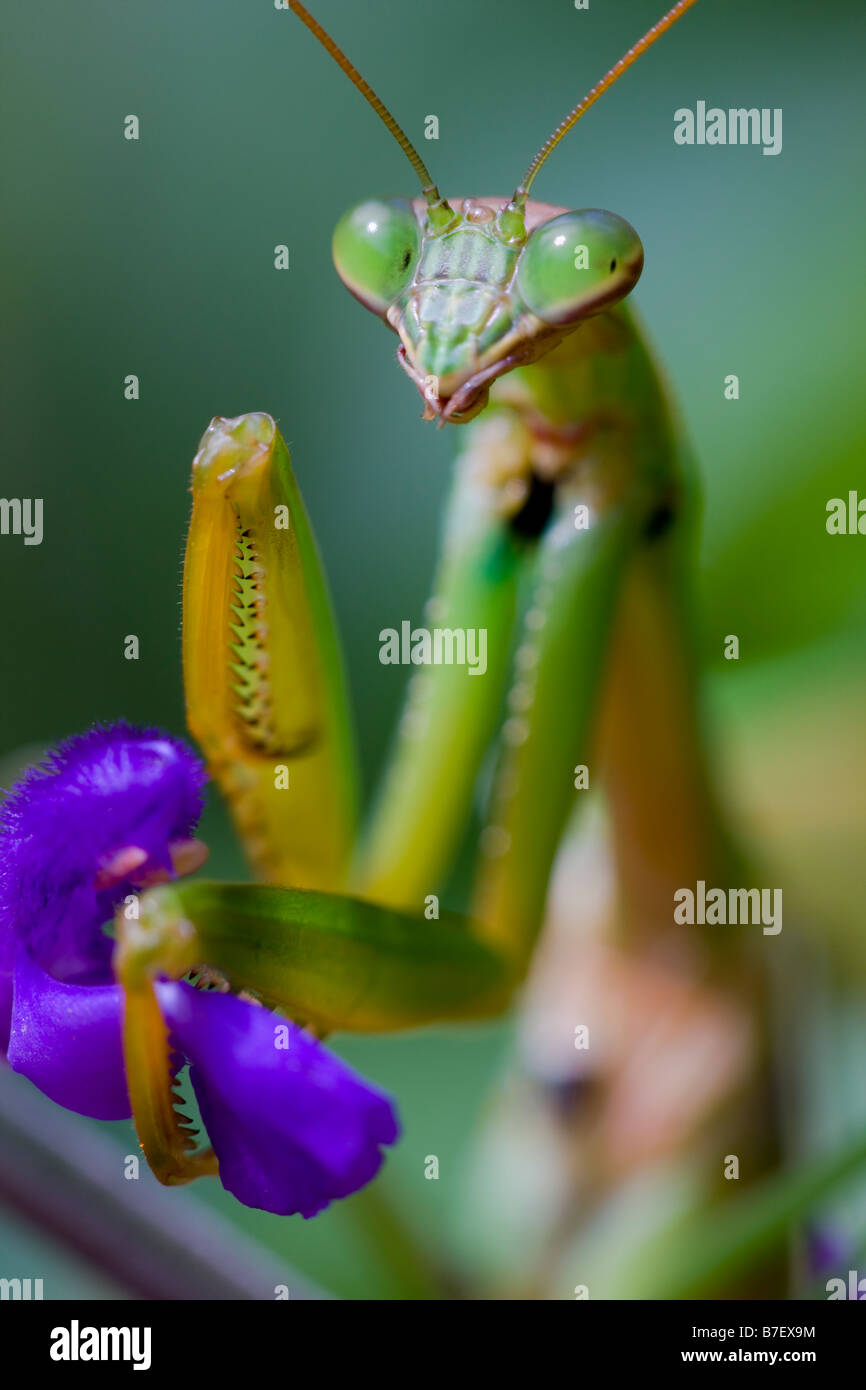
(477, 286)
(487, 291)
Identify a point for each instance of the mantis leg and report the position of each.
(667, 830)
(577, 579)
(265, 694)
(168, 1144)
(449, 716)
(329, 961)
(264, 683)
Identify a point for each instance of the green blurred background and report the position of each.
(156, 258)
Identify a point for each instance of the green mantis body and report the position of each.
(570, 477)
(566, 540)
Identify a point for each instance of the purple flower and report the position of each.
(292, 1126)
(79, 832)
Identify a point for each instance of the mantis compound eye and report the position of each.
(578, 263)
(376, 246)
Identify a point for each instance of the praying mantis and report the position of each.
(568, 540)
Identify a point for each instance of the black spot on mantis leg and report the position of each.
(660, 521)
(535, 512)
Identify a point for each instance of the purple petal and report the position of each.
(68, 1040)
(293, 1127)
(101, 792)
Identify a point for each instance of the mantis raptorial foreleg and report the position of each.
(262, 670)
(333, 962)
(592, 525)
(449, 717)
(310, 943)
(560, 665)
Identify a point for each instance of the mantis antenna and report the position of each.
(591, 97)
(428, 187)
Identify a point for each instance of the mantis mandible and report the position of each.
(567, 539)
